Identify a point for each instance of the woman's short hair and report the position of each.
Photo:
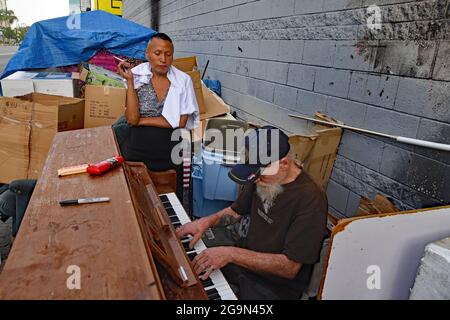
(161, 36)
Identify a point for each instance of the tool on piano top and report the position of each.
(103, 166)
(94, 169)
(72, 202)
(82, 168)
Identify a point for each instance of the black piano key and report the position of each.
(177, 224)
(211, 291)
(206, 283)
(192, 255)
(213, 294)
(174, 219)
(164, 198)
(186, 246)
(170, 212)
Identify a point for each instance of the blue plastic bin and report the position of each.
(204, 207)
(217, 185)
(213, 85)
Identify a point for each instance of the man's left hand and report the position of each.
(212, 259)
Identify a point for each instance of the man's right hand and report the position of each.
(195, 228)
(124, 70)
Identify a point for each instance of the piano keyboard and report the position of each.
(216, 286)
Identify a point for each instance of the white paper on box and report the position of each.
(54, 83)
(60, 84)
(18, 84)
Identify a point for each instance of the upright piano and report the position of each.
(123, 249)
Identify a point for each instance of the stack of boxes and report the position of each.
(105, 96)
(27, 127)
(36, 105)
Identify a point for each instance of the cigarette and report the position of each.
(121, 60)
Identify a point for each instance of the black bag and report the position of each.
(14, 199)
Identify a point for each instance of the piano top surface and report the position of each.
(103, 239)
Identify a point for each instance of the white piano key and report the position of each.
(224, 291)
(217, 278)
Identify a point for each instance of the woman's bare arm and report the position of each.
(132, 105)
(161, 122)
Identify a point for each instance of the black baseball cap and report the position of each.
(262, 147)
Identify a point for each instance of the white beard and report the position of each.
(268, 193)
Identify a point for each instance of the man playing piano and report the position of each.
(281, 220)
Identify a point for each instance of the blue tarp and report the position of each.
(70, 40)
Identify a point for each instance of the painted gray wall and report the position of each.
(275, 57)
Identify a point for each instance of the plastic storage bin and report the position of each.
(224, 146)
(203, 207)
(219, 156)
(217, 185)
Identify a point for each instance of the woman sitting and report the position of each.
(160, 99)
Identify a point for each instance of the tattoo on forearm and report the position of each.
(226, 220)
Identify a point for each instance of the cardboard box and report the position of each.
(186, 64)
(316, 149)
(99, 76)
(103, 105)
(55, 83)
(27, 127)
(214, 107)
(190, 66)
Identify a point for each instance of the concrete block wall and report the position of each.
(275, 57)
(138, 11)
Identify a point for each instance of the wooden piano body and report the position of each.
(124, 249)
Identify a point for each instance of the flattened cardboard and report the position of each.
(317, 151)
